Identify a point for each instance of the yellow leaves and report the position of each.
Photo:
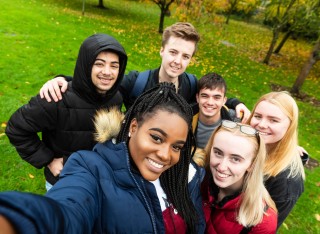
(4, 124)
(31, 176)
(285, 226)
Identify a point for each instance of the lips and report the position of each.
(209, 108)
(175, 69)
(221, 175)
(105, 81)
(155, 164)
(264, 133)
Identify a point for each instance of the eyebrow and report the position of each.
(268, 116)
(165, 134)
(234, 155)
(215, 95)
(99, 59)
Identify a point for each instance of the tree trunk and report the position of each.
(275, 36)
(233, 5)
(100, 5)
(313, 58)
(283, 41)
(164, 8)
(228, 17)
(162, 14)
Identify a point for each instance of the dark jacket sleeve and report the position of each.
(31, 213)
(64, 209)
(232, 103)
(23, 128)
(127, 86)
(285, 192)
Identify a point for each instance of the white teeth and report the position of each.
(153, 163)
(222, 175)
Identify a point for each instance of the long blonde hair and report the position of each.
(284, 154)
(254, 196)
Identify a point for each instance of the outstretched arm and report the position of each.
(6, 226)
(54, 88)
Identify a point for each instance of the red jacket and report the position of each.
(221, 216)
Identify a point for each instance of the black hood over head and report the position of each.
(89, 50)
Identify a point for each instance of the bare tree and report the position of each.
(164, 8)
(283, 41)
(232, 6)
(279, 21)
(313, 58)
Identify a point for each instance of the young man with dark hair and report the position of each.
(211, 98)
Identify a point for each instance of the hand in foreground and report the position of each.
(56, 166)
(53, 87)
(5, 226)
(242, 112)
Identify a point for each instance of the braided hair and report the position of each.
(174, 181)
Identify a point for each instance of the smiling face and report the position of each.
(155, 144)
(230, 157)
(176, 56)
(210, 103)
(105, 71)
(270, 121)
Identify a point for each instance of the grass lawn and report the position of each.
(40, 39)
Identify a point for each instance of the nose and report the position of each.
(106, 70)
(164, 153)
(263, 123)
(223, 164)
(177, 58)
(210, 101)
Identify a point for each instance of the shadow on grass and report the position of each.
(303, 97)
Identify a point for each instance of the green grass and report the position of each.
(40, 39)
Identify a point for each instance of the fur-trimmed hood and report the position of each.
(107, 124)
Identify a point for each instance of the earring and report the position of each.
(129, 134)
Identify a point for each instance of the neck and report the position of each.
(209, 120)
(270, 147)
(230, 190)
(164, 77)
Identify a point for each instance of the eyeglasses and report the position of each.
(246, 129)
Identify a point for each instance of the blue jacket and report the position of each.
(106, 196)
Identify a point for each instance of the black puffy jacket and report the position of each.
(66, 126)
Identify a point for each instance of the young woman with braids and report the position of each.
(141, 181)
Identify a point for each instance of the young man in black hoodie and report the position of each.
(67, 125)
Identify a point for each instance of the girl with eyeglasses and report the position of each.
(275, 116)
(234, 197)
